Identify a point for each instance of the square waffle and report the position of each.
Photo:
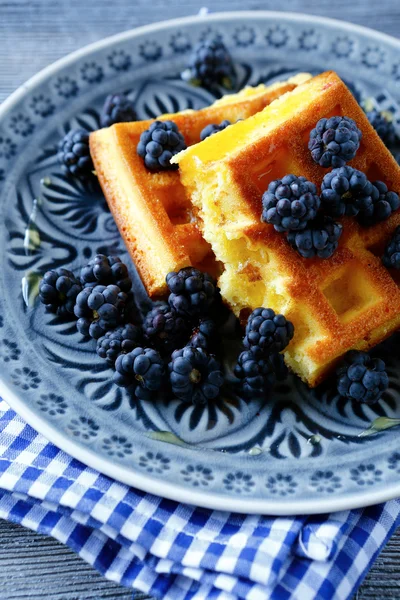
(347, 301)
(152, 210)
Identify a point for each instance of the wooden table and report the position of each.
(33, 34)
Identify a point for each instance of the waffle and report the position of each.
(347, 301)
(152, 210)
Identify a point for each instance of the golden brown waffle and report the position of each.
(347, 301)
(152, 210)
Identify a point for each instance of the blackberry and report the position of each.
(334, 141)
(118, 341)
(213, 128)
(117, 109)
(383, 126)
(257, 375)
(165, 329)
(383, 204)
(143, 368)
(104, 270)
(99, 309)
(74, 154)
(195, 375)
(362, 378)
(289, 203)
(159, 143)
(211, 64)
(204, 335)
(58, 291)
(391, 257)
(192, 292)
(346, 191)
(320, 238)
(267, 332)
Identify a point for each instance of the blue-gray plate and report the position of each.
(299, 452)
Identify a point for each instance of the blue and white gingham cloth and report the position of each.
(179, 552)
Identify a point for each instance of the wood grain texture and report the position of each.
(34, 34)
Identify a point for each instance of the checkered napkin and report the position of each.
(178, 552)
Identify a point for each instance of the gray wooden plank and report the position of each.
(35, 566)
(34, 34)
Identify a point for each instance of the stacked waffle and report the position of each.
(207, 214)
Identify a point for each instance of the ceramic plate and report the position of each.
(301, 452)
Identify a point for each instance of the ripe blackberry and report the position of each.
(335, 141)
(143, 368)
(256, 374)
(211, 64)
(383, 126)
(267, 332)
(346, 191)
(289, 203)
(213, 128)
(192, 292)
(118, 341)
(320, 238)
(383, 204)
(74, 154)
(195, 375)
(58, 291)
(165, 329)
(391, 257)
(204, 335)
(105, 270)
(159, 143)
(99, 309)
(362, 378)
(117, 109)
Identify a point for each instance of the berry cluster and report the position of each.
(290, 203)
(74, 154)
(362, 378)
(210, 65)
(159, 143)
(320, 239)
(175, 348)
(118, 108)
(176, 343)
(335, 141)
(164, 328)
(293, 207)
(173, 344)
(73, 150)
(58, 291)
(99, 309)
(100, 299)
(260, 365)
(195, 374)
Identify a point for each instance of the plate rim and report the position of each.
(172, 490)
